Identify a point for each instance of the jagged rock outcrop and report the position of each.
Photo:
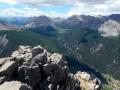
(36, 69)
(3, 42)
(40, 21)
(87, 82)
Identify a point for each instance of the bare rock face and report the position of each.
(110, 28)
(3, 42)
(36, 69)
(14, 85)
(88, 82)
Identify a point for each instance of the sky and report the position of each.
(58, 8)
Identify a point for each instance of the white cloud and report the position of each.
(38, 2)
(11, 2)
(89, 7)
(20, 12)
(109, 7)
(105, 7)
(44, 2)
(52, 2)
(27, 12)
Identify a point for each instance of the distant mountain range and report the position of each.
(78, 22)
(8, 27)
(73, 22)
(13, 23)
(18, 21)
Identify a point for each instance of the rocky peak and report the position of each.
(110, 28)
(73, 20)
(6, 26)
(36, 69)
(40, 21)
(115, 17)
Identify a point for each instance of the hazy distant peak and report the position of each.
(76, 17)
(4, 26)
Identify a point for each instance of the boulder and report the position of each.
(24, 49)
(2, 61)
(2, 79)
(8, 68)
(24, 52)
(14, 85)
(29, 73)
(38, 49)
(56, 58)
(40, 59)
(87, 81)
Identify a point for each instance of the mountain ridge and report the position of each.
(75, 21)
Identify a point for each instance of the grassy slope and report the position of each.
(112, 83)
(106, 60)
(17, 38)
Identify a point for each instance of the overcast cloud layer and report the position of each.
(87, 7)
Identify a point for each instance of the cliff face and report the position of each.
(3, 42)
(36, 69)
(110, 28)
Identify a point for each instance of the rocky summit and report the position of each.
(36, 69)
